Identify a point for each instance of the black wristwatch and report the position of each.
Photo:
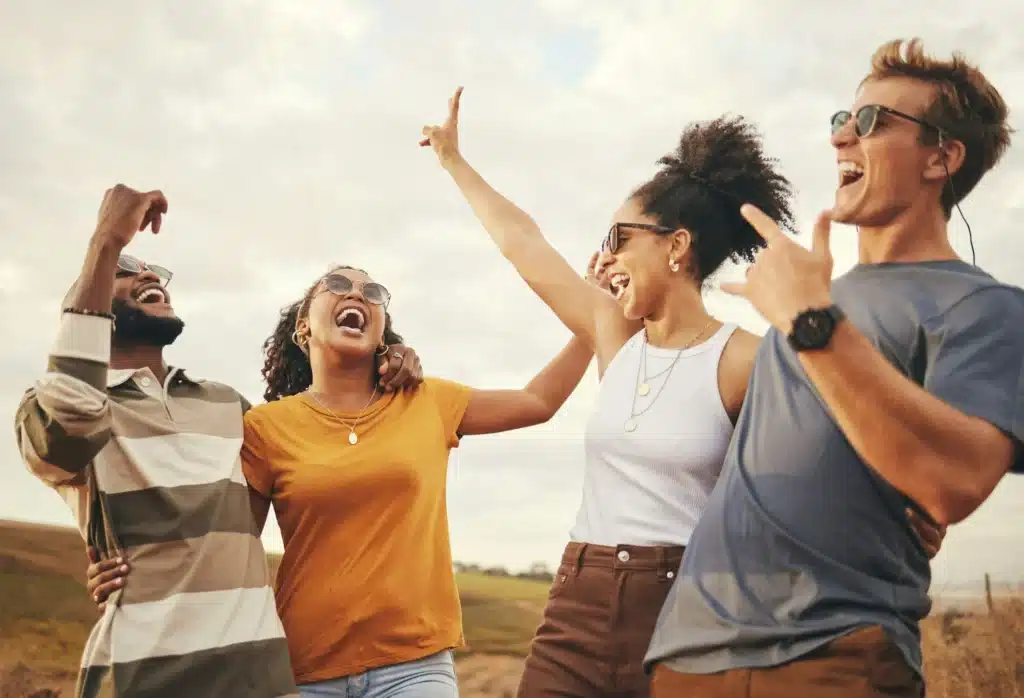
(813, 328)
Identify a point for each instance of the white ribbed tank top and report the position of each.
(649, 486)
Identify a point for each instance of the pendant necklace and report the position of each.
(643, 386)
(352, 437)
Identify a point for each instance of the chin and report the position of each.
(353, 347)
(847, 204)
(630, 309)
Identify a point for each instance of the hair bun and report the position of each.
(715, 168)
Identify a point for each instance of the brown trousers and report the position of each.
(864, 664)
(598, 622)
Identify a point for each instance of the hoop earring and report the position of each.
(383, 349)
(673, 265)
(297, 340)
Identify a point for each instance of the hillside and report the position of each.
(45, 616)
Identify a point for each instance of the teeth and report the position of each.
(348, 312)
(617, 283)
(153, 295)
(850, 167)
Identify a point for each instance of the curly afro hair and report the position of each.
(718, 166)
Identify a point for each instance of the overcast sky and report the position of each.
(284, 135)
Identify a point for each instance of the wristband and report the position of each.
(90, 313)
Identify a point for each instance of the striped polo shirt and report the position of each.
(152, 474)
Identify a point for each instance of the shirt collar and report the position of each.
(116, 377)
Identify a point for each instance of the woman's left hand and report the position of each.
(400, 368)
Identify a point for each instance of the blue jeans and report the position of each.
(430, 677)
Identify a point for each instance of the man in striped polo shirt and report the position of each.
(147, 457)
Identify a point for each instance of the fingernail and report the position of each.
(124, 568)
(120, 560)
(118, 582)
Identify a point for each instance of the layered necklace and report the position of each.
(643, 385)
(352, 437)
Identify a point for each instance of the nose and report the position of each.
(147, 276)
(356, 292)
(845, 136)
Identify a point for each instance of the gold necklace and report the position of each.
(352, 438)
(643, 388)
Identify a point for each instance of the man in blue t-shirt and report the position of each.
(897, 384)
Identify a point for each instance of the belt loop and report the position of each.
(662, 559)
(579, 559)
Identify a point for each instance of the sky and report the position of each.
(285, 137)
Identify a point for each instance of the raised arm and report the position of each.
(590, 313)
(64, 420)
(493, 411)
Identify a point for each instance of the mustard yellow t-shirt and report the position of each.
(366, 579)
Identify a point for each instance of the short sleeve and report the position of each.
(255, 466)
(452, 399)
(975, 359)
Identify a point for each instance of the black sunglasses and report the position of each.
(866, 119)
(130, 266)
(374, 293)
(614, 239)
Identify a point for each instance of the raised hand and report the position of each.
(597, 269)
(786, 279)
(445, 139)
(125, 211)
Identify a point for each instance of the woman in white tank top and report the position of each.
(673, 382)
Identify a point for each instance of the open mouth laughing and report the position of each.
(351, 320)
(151, 294)
(617, 284)
(849, 172)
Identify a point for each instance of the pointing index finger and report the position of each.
(762, 223)
(453, 112)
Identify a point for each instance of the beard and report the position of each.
(132, 325)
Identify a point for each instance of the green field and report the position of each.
(45, 616)
(43, 603)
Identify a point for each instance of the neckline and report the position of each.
(360, 415)
(931, 263)
(705, 345)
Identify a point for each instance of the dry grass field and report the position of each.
(45, 617)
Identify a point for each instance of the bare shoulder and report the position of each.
(742, 347)
(735, 367)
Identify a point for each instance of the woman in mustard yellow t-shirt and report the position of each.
(357, 478)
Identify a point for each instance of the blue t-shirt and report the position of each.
(801, 541)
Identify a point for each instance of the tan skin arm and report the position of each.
(589, 312)
(493, 411)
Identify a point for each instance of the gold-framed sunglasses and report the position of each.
(373, 292)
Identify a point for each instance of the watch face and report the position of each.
(813, 329)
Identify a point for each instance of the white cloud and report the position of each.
(285, 136)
